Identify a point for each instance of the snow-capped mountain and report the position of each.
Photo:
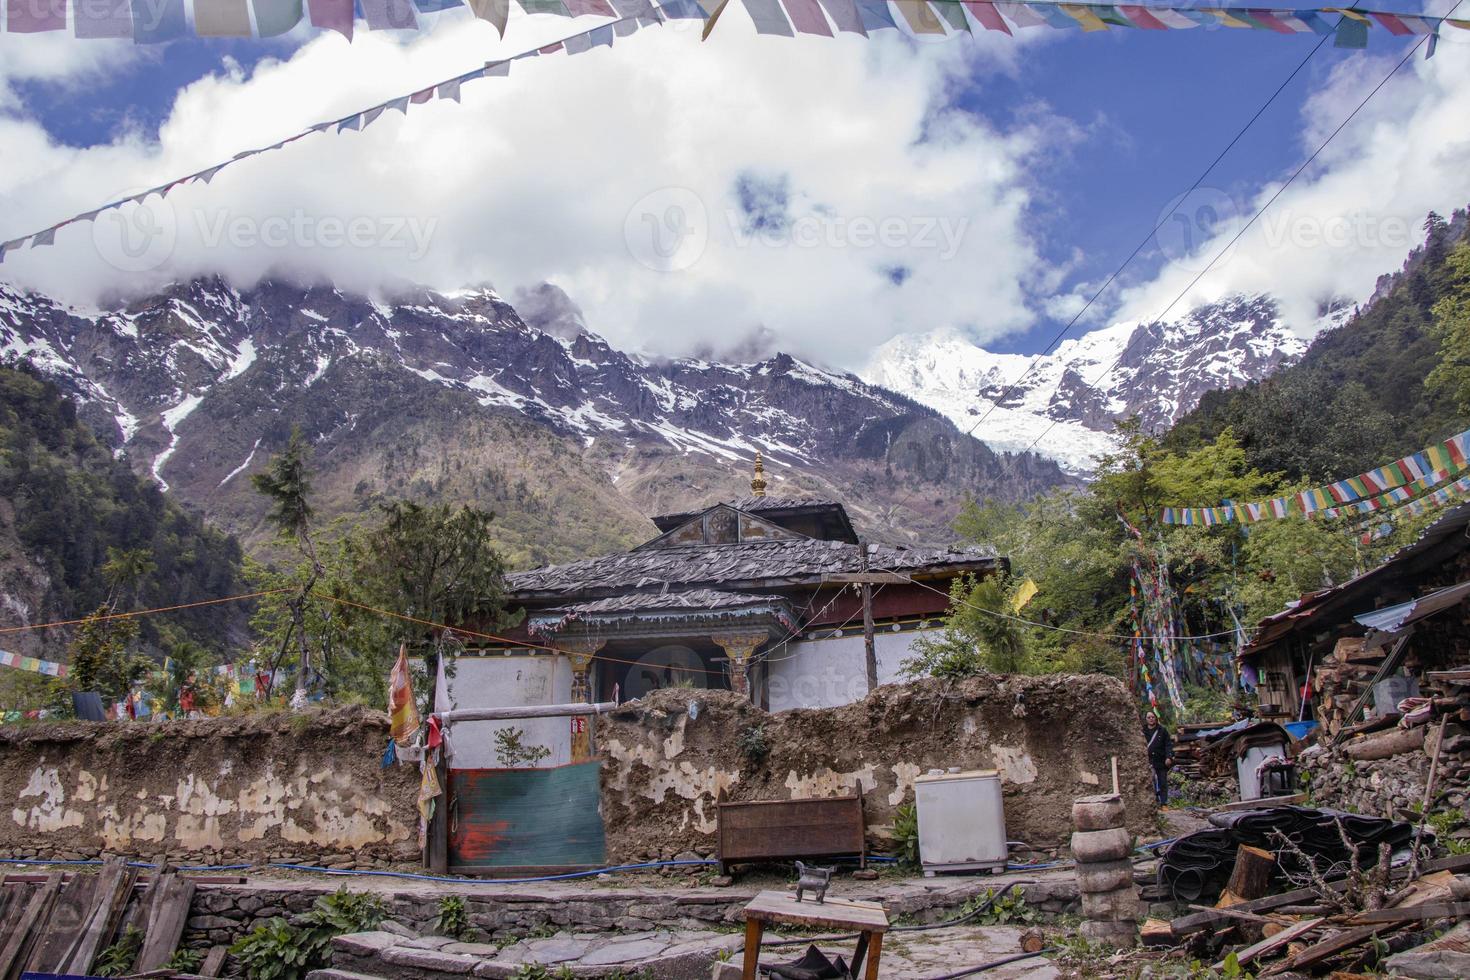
(458, 397)
(1064, 404)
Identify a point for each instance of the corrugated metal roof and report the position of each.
(1354, 591)
(1384, 624)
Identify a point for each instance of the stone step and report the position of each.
(331, 973)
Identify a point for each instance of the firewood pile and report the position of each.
(1362, 918)
(78, 923)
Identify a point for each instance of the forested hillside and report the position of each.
(66, 502)
(1358, 396)
(1166, 605)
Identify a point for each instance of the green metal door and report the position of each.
(504, 821)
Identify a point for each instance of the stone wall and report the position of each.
(1393, 786)
(222, 913)
(305, 788)
(668, 757)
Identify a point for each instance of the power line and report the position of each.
(995, 403)
(1064, 629)
(1259, 211)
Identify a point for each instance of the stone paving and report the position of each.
(665, 955)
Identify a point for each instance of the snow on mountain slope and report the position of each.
(200, 383)
(1063, 405)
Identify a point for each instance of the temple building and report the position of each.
(762, 595)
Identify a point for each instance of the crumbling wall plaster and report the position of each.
(269, 788)
(665, 766)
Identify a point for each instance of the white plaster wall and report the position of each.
(830, 672)
(502, 682)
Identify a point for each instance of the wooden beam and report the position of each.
(866, 578)
(1414, 913)
(1272, 943)
(526, 711)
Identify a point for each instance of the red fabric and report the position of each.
(1393, 24)
(436, 735)
(987, 15)
(1141, 17)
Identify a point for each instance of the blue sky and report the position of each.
(1147, 111)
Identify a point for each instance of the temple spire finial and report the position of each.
(758, 482)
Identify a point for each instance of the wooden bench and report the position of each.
(785, 830)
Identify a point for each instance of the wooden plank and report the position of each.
(114, 888)
(1184, 925)
(63, 927)
(1329, 948)
(1414, 913)
(22, 937)
(865, 578)
(1272, 943)
(1265, 803)
(214, 962)
(165, 923)
(834, 913)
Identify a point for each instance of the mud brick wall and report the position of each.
(667, 758)
(305, 788)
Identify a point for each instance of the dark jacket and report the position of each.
(1160, 746)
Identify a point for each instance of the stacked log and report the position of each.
(1101, 847)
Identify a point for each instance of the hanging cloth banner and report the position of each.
(403, 713)
(1393, 483)
(33, 664)
(154, 21)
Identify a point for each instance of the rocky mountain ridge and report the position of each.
(455, 396)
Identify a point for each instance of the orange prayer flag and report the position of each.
(403, 713)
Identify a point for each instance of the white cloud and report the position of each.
(540, 177)
(1353, 215)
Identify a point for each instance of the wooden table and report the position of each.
(868, 919)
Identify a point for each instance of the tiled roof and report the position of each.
(756, 505)
(749, 565)
(657, 601)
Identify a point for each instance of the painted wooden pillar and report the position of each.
(580, 654)
(739, 647)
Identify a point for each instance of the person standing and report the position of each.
(1160, 755)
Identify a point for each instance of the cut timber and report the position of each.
(1265, 803)
(23, 937)
(1156, 932)
(1033, 941)
(214, 962)
(1386, 744)
(1415, 913)
(1252, 875)
(114, 888)
(1272, 943)
(63, 927)
(1328, 948)
(171, 900)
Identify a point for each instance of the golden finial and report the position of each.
(758, 483)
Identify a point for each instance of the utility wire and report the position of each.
(1259, 211)
(1112, 277)
(1064, 629)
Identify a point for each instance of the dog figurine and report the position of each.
(813, 879)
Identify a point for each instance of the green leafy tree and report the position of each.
(378, 587)
(103, 658)
(1451, 328)
(286, 484)
(981, 633)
